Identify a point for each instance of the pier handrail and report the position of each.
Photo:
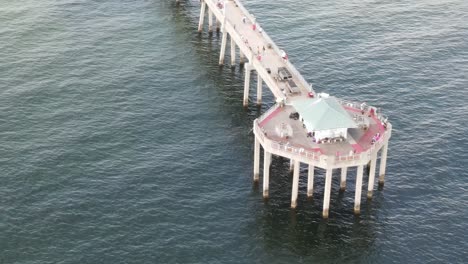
(357, 105)
(289, 65)
(317, 156)
(267, 113)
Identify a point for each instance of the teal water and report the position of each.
(123, 141)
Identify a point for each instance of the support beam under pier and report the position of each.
(295, 185)
(310, 181)
(218, 25)
(327, 191)
(370, 187)
(266, 173)
(210, 21)
(241, 57)
(383, 163)
(291, 165)
(233, 52)
(259, 89)
(202, 16)
(223, 48)
(344, 171)
(256, 160)
(248, 68)
(357, 194)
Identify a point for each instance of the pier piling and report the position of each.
(295, 185)
(266, 173)
(202, 16)
(233, 52)
(248, 68)
(370, 187)
(383, 163)
(344, 171)
(327, 191)
(259, 89)
(256, 160)
(310, 181)
(357, 194)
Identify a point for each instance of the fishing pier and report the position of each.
(304, 126)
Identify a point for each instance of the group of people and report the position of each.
(259, 54)
(375, 138)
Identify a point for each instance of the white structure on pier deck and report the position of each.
(362, 130)
(324, 117)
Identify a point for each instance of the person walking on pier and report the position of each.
(243, 19)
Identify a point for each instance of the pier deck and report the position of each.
(354, 138)
(251, 42)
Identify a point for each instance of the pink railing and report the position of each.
(317, 156)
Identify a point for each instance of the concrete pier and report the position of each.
(327, 191)
(266, 173)
(233, 53)
(259, 89)
(357, 194)
(304, 126)
(241, 57)
(310, 181)
(370, 187)
(202, 16)
(344, 171)
(383, 164)
(210, 21)
(295, 185)
(248, 69)
(256, 160)
(223, 48)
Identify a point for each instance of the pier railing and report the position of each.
(363, 107)
(273, 45)
(315, 156)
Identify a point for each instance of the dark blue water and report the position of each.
(122, 141)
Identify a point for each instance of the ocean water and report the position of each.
(123, 141)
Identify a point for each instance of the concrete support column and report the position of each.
(344, 171)
(310, 181)
(210, 21)
(357, 194)
(291, 165)
(259, 89)
(383, 163)
(370, 187)
(223, 47)
(266, 173)
(241, 57)
(326, 198)
(295, 185)
(256, 160)
(218, 25)
(247, 84)
(233, 52)
(202, 16)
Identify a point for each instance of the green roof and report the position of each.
(323, 113)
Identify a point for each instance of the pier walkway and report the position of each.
(255, 45)
(304, 126)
